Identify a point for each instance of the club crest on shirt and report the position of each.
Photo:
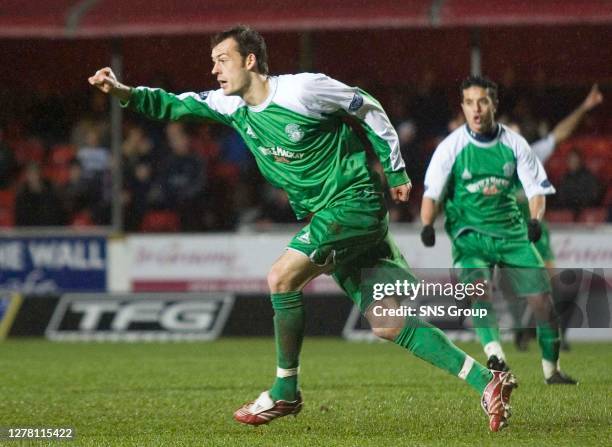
(509, 169)
(294, 132)
(249, 132)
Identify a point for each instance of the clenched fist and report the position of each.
(106, 81)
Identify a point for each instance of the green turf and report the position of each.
(356, 394)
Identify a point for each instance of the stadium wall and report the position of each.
(240, 262)
(198, 287)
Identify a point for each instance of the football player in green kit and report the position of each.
(295, 127)
(473, 173)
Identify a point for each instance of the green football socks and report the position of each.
(429, 343)
(289, 333)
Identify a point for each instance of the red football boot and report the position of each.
(496, 399)
(264, 409)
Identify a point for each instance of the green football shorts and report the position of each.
(353, 237)
(476, 254)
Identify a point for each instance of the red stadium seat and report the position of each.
(7, 208)
(593, 215)
(58, 168)
(160, 221)
(30, 150)
(560, 216)
(82, 219)
(62, 154)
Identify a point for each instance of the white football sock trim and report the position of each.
(281, 372)
(549, 368)
(494, 348)
(467, 366)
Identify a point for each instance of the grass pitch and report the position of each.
(356, 394)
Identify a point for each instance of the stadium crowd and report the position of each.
(55, 161)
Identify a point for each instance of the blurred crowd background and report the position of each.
(55, 130)
(55, 160)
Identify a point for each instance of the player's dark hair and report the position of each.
(249, 42)
(480, 81)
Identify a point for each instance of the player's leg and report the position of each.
(472, 256)
(525, 269)
(422, 339)
(331, 233)
(286, 279)
(521, 313)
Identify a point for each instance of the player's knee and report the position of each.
(541, 305)
(280, 279)
(386, 333)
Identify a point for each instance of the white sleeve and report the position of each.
(325, 95)
(530, 171)
(439, 169)
(544, 148)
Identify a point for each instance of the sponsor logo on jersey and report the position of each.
(509, 169)
(280, 154)
(488, 186)
(204, 95)
(250, 133)
(466, 175)
(356, 103)
(294, 132)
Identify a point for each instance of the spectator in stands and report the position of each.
(276, 208)
(7, 163)
(94, 158)
(94, 117)
(579, 188)
(37, 203)
(137, 195)
(77, 194)
(429, 106)
(182, 179)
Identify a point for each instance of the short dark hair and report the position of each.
(249, 41)
(480, 81)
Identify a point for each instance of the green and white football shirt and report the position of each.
(477, 181)
(297, 135)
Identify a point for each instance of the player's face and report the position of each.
(230, 68)
(478, 108)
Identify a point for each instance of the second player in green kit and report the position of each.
(473, 174)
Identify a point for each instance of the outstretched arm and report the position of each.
(158, 104)
(568, 125)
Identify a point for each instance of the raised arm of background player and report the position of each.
(530, 172)
(545, 147)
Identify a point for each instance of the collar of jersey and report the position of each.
(273, 80)
(491, 143)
